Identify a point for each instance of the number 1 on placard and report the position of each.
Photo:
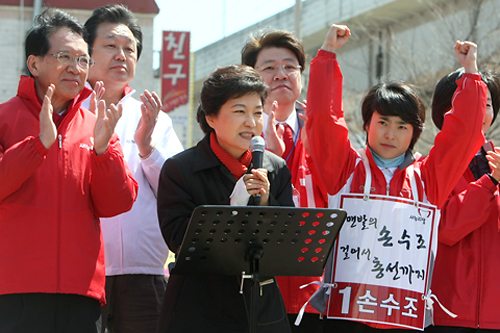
(346, 299)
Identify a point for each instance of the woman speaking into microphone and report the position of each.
(218, 171)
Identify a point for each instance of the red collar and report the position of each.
(237, 167)
(27, 91)
(127, 90)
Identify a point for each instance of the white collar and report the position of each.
(291, 121)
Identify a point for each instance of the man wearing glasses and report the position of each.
(61, 169)
(279, 57)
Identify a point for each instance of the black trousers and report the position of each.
(48, 313)
(310, 323)
(133, 303)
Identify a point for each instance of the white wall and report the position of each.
(12, 33)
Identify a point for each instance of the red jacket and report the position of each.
(467, 273)
(336, 160)
(51, 200)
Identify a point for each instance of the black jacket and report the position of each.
(212, 303)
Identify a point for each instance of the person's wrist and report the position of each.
(100, 150)
(493, 179)
(328, 48)
(146, 153)
(47, 143)
(471, 69)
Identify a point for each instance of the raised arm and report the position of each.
(113, 189)
(330, 148)
(461, 136)
(20, 161)
(156, 135)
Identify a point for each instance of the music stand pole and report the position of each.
(255, 253)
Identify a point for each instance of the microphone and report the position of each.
(257, 146)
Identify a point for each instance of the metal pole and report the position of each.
(379, 65)
(22, 64)
(298, 15)
(37, 8)
(224, 18)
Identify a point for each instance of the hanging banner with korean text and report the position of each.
(175, 75)
(382, 260)
(175, 69)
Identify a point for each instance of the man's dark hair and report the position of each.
(275, 38)
(224, 84)
(445, 89)
(395, 99)
(45, 24)
(113, 14)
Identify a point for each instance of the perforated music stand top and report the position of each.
(295, 241)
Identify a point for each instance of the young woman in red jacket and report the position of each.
(468, 265)
(389, 184)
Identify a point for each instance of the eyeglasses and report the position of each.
(288, 69)
(64, 58)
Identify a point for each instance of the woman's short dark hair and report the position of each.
(113, 14)
(445, 89)
(49, 21)
(395, 99)
(275, 38)
(224, 84)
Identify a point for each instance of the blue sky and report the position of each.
(211, 20)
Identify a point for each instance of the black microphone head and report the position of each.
(257, 144)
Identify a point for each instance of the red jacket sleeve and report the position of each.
(18, 163)
(467, 210)
(458, 141)
(319, 189)
(327, 131)
(112, 186)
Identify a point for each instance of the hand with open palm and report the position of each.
(48, 130)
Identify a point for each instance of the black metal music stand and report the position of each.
(250, 241)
